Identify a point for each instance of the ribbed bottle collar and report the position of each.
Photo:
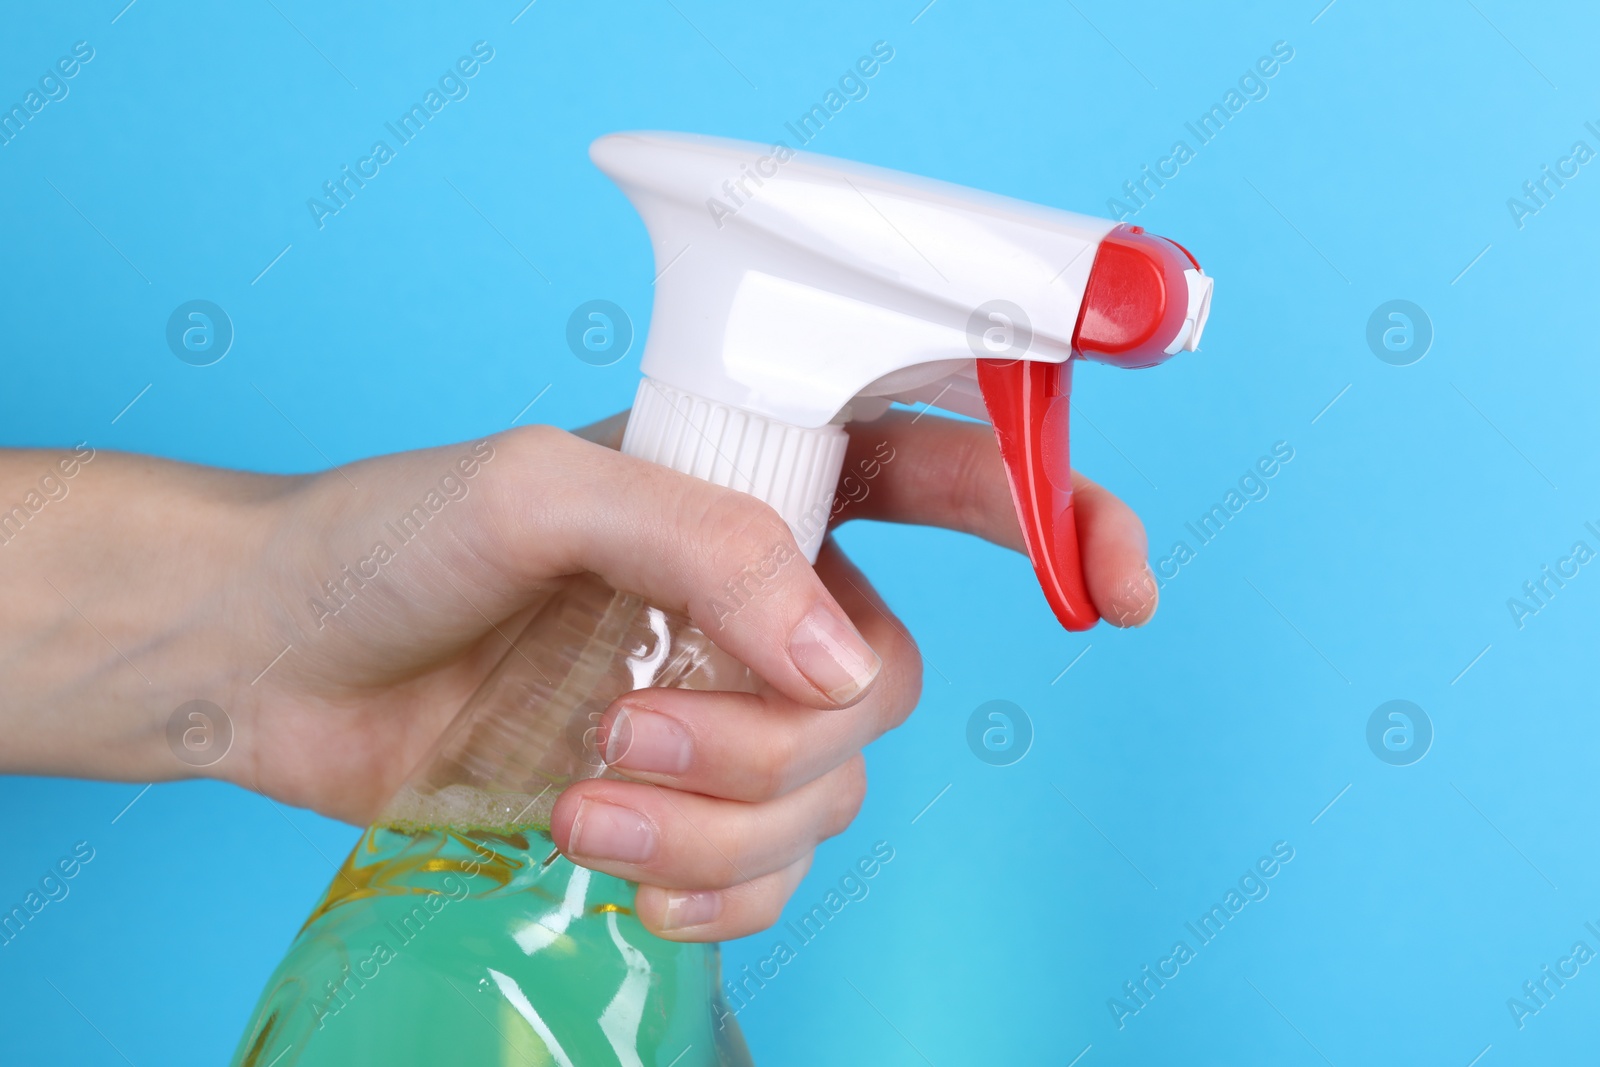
(795, 470)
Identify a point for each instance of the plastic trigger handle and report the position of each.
(1029, 403)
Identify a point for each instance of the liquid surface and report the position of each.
(461, 946)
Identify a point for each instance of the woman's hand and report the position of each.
(341, 620)
(732, 792)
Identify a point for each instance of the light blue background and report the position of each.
(1379, 566)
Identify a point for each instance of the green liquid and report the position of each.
(462, 946)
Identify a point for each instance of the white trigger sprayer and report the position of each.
(832, 288)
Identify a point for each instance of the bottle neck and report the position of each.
(793, 469)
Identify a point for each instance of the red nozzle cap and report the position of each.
(1146, 300)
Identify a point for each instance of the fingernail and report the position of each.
(691, 909)
(642, 740)
(1136, 603)
(833, 656)
(604, 831)
(1151, 595)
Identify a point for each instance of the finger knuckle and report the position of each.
(972, 464)
(764, 906)
(903, 666)
(771, 771)
(720, 855)
(727, 868)
(531, 444)
(522, 459)
(849, 792)
(739, 531)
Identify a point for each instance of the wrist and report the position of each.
(128, 599)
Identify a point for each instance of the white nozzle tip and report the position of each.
(1199, 306)
(1194, 317)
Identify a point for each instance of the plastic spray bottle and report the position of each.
(796, 293)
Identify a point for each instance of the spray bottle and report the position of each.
(795, 294)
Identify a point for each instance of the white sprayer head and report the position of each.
(796, 292)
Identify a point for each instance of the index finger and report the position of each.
(931, 471)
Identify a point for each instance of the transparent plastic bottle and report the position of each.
(455, 933)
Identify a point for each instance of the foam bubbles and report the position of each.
(461, 807)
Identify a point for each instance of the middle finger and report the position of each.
(755, 747)
(676, 840)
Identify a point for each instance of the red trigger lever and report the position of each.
(1146, 300)
(1029, 403)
